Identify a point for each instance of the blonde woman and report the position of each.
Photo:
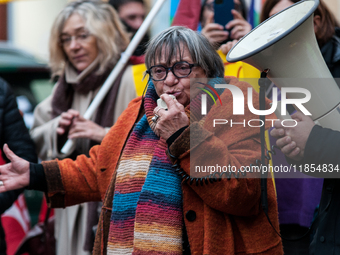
(86, 41)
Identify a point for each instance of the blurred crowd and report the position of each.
(124, 186)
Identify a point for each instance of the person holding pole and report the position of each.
(86, 42)
(132, 14)
(152, 202)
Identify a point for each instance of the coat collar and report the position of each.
(72, 75)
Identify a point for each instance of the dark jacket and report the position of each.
(331, 54)
(322, 149)
(13, 132)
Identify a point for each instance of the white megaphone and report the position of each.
(286, 45)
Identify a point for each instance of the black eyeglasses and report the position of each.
(180, 70)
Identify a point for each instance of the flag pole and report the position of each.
(125, 56)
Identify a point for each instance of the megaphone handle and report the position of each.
(262, 102)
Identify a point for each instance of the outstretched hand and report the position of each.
(14, 175)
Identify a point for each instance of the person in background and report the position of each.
(86, 41)
(294, 222)
(215, 33)
(132, 13)
(326, 28)
(12, 131)
(151, 202)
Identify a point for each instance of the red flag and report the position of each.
(2, 161)
(188, 14)
(43, 211)
(16, 223)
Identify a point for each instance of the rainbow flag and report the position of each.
(254, 12)
(173, 9)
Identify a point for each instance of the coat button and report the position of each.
(322, 239)
(329, 188)
(190, 215)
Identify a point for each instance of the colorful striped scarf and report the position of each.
(147, 213)
(147, 216)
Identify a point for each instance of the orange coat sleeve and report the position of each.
(72, 181)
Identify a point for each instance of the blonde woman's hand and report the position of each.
(83, 128)
(66, 121)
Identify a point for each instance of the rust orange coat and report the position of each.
(229, 218)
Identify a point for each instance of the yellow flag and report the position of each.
(138, 74)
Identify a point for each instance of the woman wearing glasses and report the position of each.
(152, 202)
(86, 41)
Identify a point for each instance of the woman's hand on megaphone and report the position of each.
(14, 175)
(292, 140)
(289, 148)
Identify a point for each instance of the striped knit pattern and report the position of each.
(147, 213)
(147, 216)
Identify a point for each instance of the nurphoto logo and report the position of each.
(238, 104)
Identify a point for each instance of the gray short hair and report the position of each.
(102, 21)
(169, 43)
